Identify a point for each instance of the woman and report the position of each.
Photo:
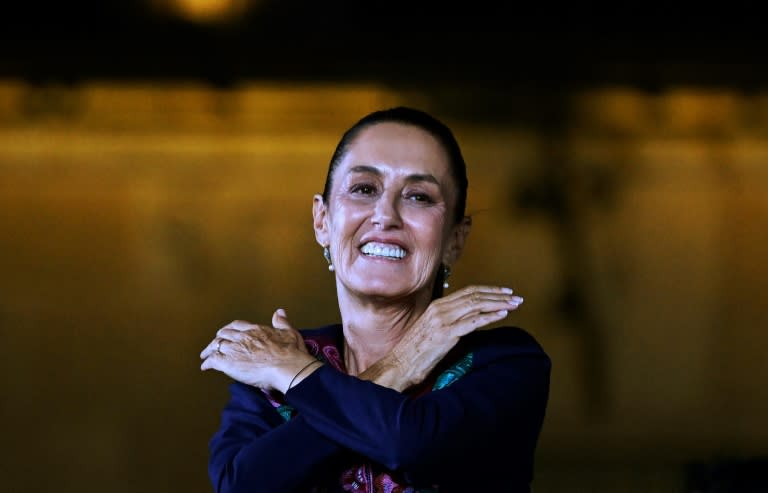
(404, 394)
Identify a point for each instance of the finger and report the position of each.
(504, 311)
(472, 323)
(477, 298)
(280, 320)
(496, 292)
(235, 335)
(482, 288)
(239, 333)
(471, 303)
(238, 325)
(487, 292)
(474, 294)
(210, 348)
(211, 362)
(215, 346)
(229, 331)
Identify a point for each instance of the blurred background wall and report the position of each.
(157, 168)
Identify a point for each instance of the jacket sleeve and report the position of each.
(255, 449)
(500, 404)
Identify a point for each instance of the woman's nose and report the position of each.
(386, 214)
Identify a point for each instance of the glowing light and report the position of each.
(207, 11)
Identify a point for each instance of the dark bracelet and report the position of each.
(300, 372)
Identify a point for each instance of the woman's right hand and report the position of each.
(437, 330)
(258, 355)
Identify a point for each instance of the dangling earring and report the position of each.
(446, 275)
(327, 255)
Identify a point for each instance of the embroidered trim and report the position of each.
(362, 478)
(455, 372)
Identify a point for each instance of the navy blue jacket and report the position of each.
(477, 433)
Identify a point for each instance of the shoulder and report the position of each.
(504, 342)
(325, 343)
(326, 336)
(508, 338)
(331, 331)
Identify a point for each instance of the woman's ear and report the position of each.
(457, 240)
(320, 214)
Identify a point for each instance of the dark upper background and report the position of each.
(395, 42)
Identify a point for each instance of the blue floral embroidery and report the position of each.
(455, 372)
(286, 411)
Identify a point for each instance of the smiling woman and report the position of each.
(390, 198)
(405, 393)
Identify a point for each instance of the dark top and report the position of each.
(472, 425)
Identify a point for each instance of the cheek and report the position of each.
(344, 222)
(432, 232)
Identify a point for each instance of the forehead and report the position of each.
(398, 145)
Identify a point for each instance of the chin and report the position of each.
(384, 288)
(376, 289)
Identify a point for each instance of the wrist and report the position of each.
(417, 360)
(399, 365)
(292, 375)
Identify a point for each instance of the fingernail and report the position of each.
(502, 313)
(515, 300)
(507, 290)
(281, 312)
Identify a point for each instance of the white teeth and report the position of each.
(383, 250)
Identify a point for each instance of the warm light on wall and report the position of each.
(206, 11)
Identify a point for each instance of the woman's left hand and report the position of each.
(258, 355)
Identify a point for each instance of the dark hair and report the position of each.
(431, 125)
(422, 120)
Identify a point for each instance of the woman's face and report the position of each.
(389, 217)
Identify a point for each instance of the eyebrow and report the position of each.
(363, 168)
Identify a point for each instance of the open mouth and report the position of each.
(383, 250)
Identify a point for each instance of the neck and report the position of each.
(373, 326)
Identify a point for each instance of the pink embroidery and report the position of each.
(312, 346)
(356, 480)
(333, 357)
(275, 398)
(383, 483)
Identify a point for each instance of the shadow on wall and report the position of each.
(728, 476)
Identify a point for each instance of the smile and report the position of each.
(382, 250)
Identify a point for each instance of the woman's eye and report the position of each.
(363, 189)
(419, 197)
